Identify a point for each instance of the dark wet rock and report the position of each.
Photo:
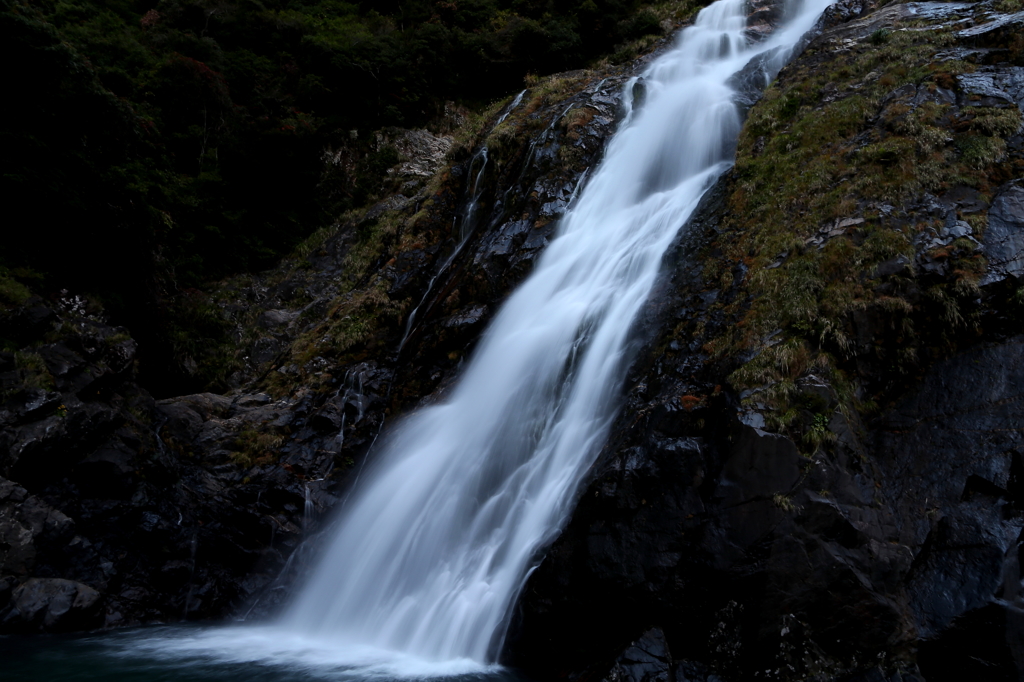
(763, 464)
(397, 202)
(690, 671)
(909, 530)
(956, 445)
(993, 87)
(1002, 23)
(763, 16)
(473, 315)
(102, 488)
(216, 433)
(276, 318)
(330, 419)
(52, 605)
(645, 660)
(265, 350)
(109, 471)
(422, 152)
(251, 400)
(31, 403)
(639, 94)
(408, 265)
(210, 405)
(842, 12)
(181, 421)
(28, 528)
(1004, 236)
(994, 636)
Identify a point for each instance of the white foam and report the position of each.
(436, 542)
(273, 647)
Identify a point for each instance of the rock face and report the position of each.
(817, 473)
(117, 509)
(749, 555)
(54, 604)
(425, 152)
(645, 660)
(800, 508)
(1004, 239)
(126, 510)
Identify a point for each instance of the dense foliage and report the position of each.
(150, 146)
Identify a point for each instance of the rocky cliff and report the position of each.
(816, 472)
(119, 509)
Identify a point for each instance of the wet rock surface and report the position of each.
(54, 604)
(1004, 238)
(874, 544)
(882, 544)
(116, 509)
(899, 544)
(119, 509)
(646, 660)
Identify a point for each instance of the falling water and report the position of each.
(437, 542)
(307, 511)
(452, 512)
(511, 107)
(466, 225)
(468, 221)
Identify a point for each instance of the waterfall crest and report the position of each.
(437, 541)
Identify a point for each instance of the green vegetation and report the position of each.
(152, 147)
(880, 37)
(12, 292)
(33, 373)
(200, 340)
(256, 447)
(822, 161)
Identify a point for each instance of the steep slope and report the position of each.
(194, 506)
(817, 474)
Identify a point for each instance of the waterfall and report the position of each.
(437, 541)
(466, 226)
(453, 510)
(508, 111)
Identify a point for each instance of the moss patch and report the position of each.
(817, 222)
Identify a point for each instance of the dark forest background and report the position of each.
(153, 146)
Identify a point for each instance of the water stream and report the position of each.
(466, 223)
(456, 506)
(451, 514)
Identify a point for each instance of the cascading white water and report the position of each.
(440, 533)
(436, 544)
(437, 541)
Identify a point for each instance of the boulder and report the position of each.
(27, 527)
(645, 660)
(422, 153)
(52, 605)
(272, 319)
